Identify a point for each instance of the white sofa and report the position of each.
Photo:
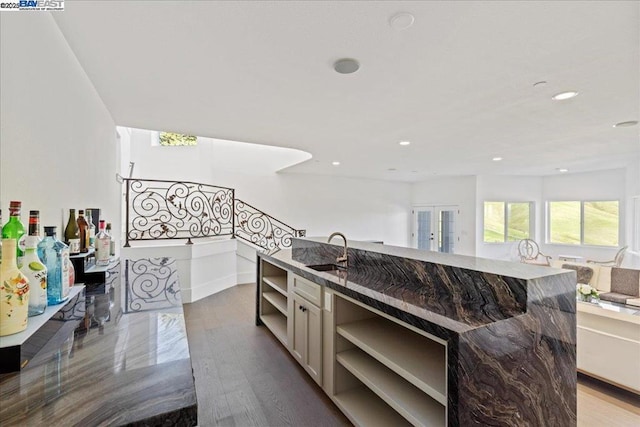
(608, 334)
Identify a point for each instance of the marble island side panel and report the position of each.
(510, 328)
(120, 367)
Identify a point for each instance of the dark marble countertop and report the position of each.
(452, 292)
(125, 362)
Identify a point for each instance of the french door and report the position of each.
(434, 228)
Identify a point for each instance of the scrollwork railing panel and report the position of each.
(261, 229)
(159, 210)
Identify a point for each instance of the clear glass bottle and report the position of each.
(71, 233)
(83, 228)
(34, 269)
(55, 256)
(14, 292)
(92, 228)
(102, 244)
(112, 243)
(14, 229)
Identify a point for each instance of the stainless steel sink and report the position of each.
(328, 268)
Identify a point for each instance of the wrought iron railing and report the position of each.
(169, 210)
(261, 229)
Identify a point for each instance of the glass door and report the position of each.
(434, 228)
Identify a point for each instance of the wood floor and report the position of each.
(244, 377)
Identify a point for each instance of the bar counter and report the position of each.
(125, 362)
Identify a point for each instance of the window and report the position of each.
(174, 139)
(507, 221)
(593, 223)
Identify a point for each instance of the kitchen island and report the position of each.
(124, 361)
(404, 336)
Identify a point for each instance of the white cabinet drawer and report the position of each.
(312, 292)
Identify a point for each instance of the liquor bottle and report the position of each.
(71, 232)
(55, 255)
(14, 229)
(0, 236)
(34, 269)
(83, 228)
(103, 244)
(92, 228)
(112, 243)
(14, 291)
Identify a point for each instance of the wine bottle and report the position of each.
(71, 232)
(92, 228)
(33, 269)
(0, 236)
(112, 243)
(14, 291)
(55, 255)
(14, 229)
(83, 229)
(103, 244)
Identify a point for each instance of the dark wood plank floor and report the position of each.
(245, 377)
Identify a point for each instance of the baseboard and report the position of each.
(247, 277)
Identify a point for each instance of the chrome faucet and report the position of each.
(342, 258)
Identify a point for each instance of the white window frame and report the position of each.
(582, 202)
(506, 220)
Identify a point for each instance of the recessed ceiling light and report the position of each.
(562, 170)
(346, 66)
(564, 95)
(497, 159)
(335, 163)
(626, 124)
(404, 142)
(540, 83)
(401, 21)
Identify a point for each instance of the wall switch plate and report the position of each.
(327, 302)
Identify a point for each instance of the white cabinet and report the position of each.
(306, 326)
(608, 344)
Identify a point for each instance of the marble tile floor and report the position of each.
(244, 377)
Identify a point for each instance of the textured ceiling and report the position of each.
(458, 84)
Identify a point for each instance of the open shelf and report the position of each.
(418, 408)
(364, 408)
(278, 283)
(277, 324)
(279, 301)
(414, 357)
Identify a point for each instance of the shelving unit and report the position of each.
(274, 300)
(394, 366)
(360, 406)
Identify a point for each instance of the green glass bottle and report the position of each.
(14, 229)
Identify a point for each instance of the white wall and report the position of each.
(511, 189)
(58, 141)
(459, 191)
(363, 209)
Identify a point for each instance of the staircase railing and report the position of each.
(261, 229)
(172, 210)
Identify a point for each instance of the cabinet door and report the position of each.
(299, 341)
(314, 342)
(306, 346)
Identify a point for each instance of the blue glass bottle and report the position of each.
(55, 256)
